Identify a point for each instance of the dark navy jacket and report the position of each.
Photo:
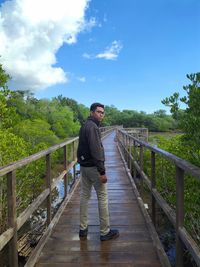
(90, 149)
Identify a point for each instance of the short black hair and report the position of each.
(95, 105)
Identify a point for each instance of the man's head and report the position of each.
(97, 111)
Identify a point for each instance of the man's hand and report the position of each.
(103, 179)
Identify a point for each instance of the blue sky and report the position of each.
(128, 53)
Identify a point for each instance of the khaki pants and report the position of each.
(90, 177)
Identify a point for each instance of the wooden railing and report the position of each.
(10, 236)
(130, 147)
(139, 133)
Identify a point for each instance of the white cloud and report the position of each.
(110, 53)
(81, 79)
(32, 31)
(86, 55)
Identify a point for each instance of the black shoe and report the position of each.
(110, 235)
(83, 233)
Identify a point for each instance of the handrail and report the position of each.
(183, 164)
(128, 143)
(20, 163)
(139, 133)
(9, 236)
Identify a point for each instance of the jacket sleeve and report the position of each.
(96, 149)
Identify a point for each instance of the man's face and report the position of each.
(98, 114)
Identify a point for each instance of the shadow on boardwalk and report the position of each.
(134, 246)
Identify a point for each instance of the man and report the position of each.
(91, 158)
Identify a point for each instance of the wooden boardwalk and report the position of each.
(134, 247)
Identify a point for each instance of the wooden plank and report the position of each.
(94, 245)
(190, 244)
(6, 237)
(138, 236)
(99, 257)
(95, 229)
(138, 264)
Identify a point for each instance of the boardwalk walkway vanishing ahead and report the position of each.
(134, 247)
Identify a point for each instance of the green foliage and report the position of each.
(12, 147)
(161, 113)
(80, 112)
(191, 122)
(37, 118)
(173, 103)
(23, 102)
(36, 131)
(112, 115)
(189, 119)
(30, 179)
(8, 116)
(4, 78)
(62, 120)
(157, 122)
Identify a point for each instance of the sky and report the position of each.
(126, 53)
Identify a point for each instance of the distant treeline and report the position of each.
(159, 121)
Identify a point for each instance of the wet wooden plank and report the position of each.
(64, 248)
(75, 246)
(97, 257)
(136, 264)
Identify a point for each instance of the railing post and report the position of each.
(134, 159)
(48, 185)
(74, 157)
(153, 185)
(179, 214)
(130, 163)
(127, 149)
(123, 142)
(127, 156)
(65, 167)
(141, 157)
(12, 216)
(147, 135)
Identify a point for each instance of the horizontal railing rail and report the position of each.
(139, 133)
(9, 236)
(128, 145)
